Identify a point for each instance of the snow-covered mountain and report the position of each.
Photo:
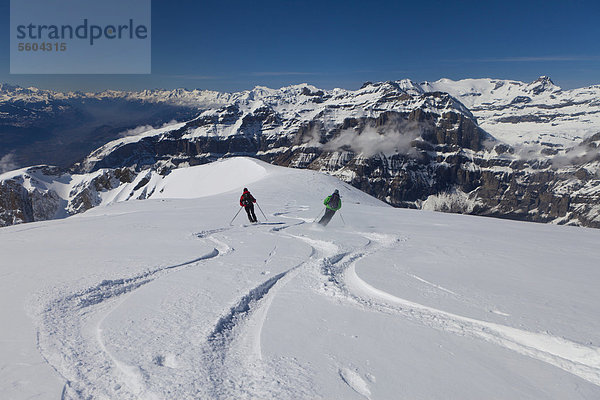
(411, 145)
(196, 98)
(41, 126)
(268, 121)
(514, 112)
(263, 122)
(164, 299)
(535, 114)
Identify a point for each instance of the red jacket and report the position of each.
(246, 197)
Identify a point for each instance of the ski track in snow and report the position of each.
(577, 359)
(580, 360)
(70, 334)
(70, 339)
(338, 267)
(233, 351)
(354, 380)
(433, 285)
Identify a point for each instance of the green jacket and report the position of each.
(328, 199)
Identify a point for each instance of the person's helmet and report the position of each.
(245, 189)
(336, 191)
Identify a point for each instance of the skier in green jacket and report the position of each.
(332, 204)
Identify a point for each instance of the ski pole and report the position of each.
(342, 218)
(236, 214)
(318, 216)
(261, 211)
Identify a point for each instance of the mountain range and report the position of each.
(509, 149)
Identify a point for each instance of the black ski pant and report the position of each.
(327, 216)
(250, 212)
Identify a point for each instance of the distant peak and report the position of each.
(387, 85)
(542, 84)
(375, 84)
(544, 79)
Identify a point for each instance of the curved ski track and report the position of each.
(69, 336)
(575, 358)
(231, 353)
(338, 267)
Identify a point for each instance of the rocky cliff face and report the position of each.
(42, 193)
(15, 204)
(404, 143)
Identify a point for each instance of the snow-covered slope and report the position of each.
(52, 193)
(163, 299)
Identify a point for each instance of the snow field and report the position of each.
(162, 298)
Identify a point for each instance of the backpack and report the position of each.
(334, 202)
(246, 199)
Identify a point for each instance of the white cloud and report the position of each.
(576, 156)
(7, 163)
(395, 138)
(137, 131)
(144, 128)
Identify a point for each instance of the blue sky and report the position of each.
(231, 46)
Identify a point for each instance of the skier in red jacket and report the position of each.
(247, 201)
